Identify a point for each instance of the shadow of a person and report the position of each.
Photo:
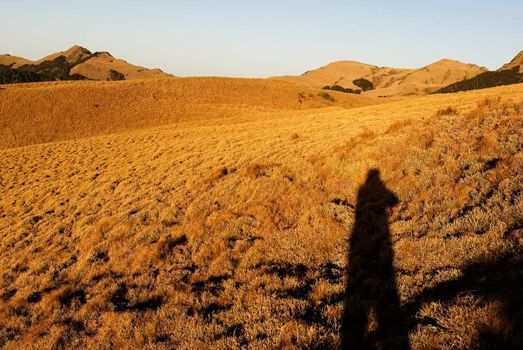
(371, 284)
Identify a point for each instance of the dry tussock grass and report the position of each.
(68, 110)
(235, 236)
(450, 110)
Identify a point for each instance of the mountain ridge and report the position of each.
(442, 76)
(507, 74)
(387, 81)
(75, 63)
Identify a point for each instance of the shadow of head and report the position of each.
(374, 191)
(375, 202)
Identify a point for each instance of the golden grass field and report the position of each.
(44, 112)
(217, 213)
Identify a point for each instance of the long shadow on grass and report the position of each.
(374, 318)
(495, 279)
(371, 285)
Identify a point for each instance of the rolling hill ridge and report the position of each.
(509, 73)
(517, 62)
(387, 81)
(76, 63)
(54, 111)
(443, 76)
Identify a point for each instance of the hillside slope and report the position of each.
(516, 63)
(509, 73)
(9, 60)
(485, 80)
(234, 235)
(44, 112)
(343, 73)
(103, 66)
(76, 63)
(426, 79)
(388, 81)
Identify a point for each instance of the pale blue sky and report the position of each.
(264, 38)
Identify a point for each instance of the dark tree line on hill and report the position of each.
(57, 69)
(9, 75)
(486, 80)
(362, 83)
(341, 89)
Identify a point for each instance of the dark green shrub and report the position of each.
(327, 97)
(115, 75)
(364, 84)
(341, 89)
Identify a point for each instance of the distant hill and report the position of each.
(509, 73)
(341, 73)
(517, 62)
(9, 60)
(77, 63)
(351, 76)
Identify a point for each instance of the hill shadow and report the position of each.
(372, 317)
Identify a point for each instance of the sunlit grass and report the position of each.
(231, 231)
